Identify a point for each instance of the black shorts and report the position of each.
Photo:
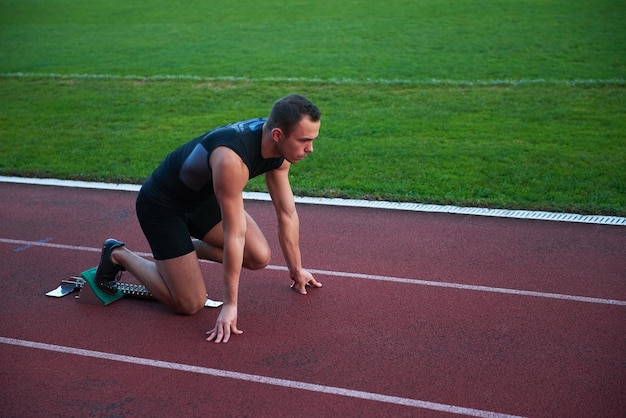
(169, 230)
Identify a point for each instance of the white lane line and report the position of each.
(473, 287)
(331, 80)
(393, 279)
(405, 206)
(291, 384)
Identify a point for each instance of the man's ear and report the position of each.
(277, 134)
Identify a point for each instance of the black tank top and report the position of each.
(184, 178)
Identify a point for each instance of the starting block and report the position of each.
(91, 294)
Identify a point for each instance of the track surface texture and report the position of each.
(421, 314)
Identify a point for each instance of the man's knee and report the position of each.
(190, 306)
(259, 259)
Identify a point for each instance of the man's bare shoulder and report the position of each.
(229, 170)
(224, 158)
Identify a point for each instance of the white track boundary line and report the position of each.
(291, 384)
(317, 80)
(381, 278)
(411, 207)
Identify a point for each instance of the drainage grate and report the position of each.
(412, 207)
(501, 213)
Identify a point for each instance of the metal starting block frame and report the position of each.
(87, 295)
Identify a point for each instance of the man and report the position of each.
(197, 192)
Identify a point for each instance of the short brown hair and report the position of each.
(288, 111)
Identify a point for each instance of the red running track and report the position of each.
(420, 315)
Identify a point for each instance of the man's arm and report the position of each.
(288, 226)
(230, 176)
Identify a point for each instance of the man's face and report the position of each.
(300, 142)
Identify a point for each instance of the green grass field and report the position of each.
(488, 103)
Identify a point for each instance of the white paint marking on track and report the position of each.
(472, 287)
(291, 384)
(357, 203)
(392, 279)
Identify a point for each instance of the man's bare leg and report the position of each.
(257, 253)
(177, 282)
